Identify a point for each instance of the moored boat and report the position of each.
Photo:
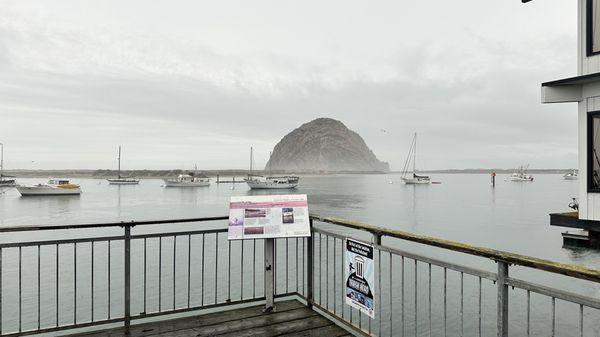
(122, 180)
(271, 182)
(414, 178)
(186, 180)
(520, 175)
(573, 175)
(52, 187)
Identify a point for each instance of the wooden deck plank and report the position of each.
(297, 325)
(326, 331)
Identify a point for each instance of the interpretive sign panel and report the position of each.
(360, 276)
(268, 216)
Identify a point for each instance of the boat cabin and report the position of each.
(583, 89)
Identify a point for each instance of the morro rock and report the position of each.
(324, 145)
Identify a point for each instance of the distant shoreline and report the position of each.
(103, 174)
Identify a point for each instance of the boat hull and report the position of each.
(267, 185)
(170, 183)
(416, 181)
(123, 181)
(46, 191)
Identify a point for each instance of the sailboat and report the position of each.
(188, 180)
(5, 184)
(271, 182)
(413, 179)
(121, 180)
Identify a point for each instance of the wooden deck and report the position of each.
(291, 318)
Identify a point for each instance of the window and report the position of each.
(594, 151)
(593, 27)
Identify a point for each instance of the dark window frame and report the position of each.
(590, 147)
(589, 39)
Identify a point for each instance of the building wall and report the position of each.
(589, 203)
(586, 65)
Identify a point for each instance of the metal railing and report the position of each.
(121, 273)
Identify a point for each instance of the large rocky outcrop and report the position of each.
(324, 145)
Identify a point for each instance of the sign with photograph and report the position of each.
(360, 276)
(268, 216)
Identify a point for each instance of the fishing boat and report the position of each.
(414, 178)
(121, 180)
(188, 180)
(52, 187)
(573, 175)
(5, 181)
(270, 182)
(520, 175)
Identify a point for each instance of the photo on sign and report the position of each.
(360, 280)
(287, 215)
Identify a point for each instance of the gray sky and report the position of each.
(184, 82)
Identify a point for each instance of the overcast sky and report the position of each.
(184, 82)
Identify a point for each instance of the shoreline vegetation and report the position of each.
(149, 174)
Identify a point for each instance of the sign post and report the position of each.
(268, 217)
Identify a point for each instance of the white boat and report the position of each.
(5, 181)
(187, 180)
(122, 180)
(520, 175)
(414, 178)
(52, 187)
(573, 175)
(271, 182)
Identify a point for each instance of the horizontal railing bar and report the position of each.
(64, 327)
(106, 225)
(59, 242)
(551, 292)
(471, 271)
(184, 233)
(496, 255)
(467, 270)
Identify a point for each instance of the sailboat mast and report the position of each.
(415, 157)
(119, 160)
(1, 159)
(250, 170)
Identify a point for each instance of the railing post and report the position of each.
(127, 271)
(269, 275)
(502, 299)
(309, 266)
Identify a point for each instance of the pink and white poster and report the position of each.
(268, 216)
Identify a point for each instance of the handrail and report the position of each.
(576, 271)
(107, 224)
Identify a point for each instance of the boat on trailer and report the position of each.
(122, 180)
(414, 178)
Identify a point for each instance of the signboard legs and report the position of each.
(269, 275)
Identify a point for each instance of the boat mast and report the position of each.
(250, 170)
(119, 159)
(415, 157)
(1, 159)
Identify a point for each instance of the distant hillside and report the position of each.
(324, 145)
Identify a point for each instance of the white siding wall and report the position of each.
(589, 203)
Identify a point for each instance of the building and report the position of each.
(584, 89)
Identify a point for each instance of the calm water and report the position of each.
(511, 217)
(463, 208)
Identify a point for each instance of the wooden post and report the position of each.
(502, 299)
(269, 275)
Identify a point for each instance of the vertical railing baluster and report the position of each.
(320, 271)
(581, 320)
(39, 302)
(92, 280)
(242, 270)
(334, 279)
(479, 312)
(379, 290)
(174, 270)
(297, 271)
(75, 283)
(216, 264)
(416, 297)
(20, 305)
(127, 278)
(203, 272)
(56, 281)
(502, 313)
(287, 260)
(1, 292)
(229, 270)
(462, 305)
(445, 300)
(402, 294)
(145, 277)
(108, 279)
(310, 251)
(159, 273)
(253, 268)
(327, 272)
(343, 277)
(553, 316)
(391, 295)
(528, 313)
(429, 298)
(189, 269)
(304, 264)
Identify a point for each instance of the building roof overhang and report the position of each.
(567, 89)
